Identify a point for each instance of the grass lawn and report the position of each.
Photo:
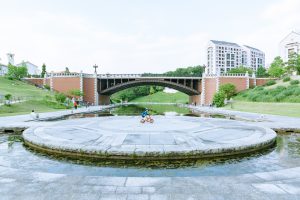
(162, 97)
(35, 98)
(285, 109)
(26, 107)
(21, 89)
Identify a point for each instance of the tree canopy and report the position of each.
(293, 63)
(15, 72)
(277, 67)
(241, 70)
(43, 70)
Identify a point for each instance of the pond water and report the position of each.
(137, 109)
(285, 154)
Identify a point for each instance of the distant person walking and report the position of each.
(75, 105)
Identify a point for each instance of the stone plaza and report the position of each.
(21, 183)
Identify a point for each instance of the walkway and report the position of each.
(20, 184)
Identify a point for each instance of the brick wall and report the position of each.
(239, 82)
(210, 90)
(261, 81)
(88, 90)
(65, 84)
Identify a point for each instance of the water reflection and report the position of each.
(137, 109)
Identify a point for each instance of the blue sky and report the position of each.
(135, 36)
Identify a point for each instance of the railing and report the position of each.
(227, 74)
(145, 75)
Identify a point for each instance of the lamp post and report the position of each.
(95, 66)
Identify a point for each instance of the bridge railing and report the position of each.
(143, 75)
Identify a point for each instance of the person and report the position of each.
(75, 105)
(145, 114)
(34, 115)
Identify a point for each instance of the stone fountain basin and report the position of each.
(169, 137)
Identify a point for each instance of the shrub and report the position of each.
(279, 97)
(257, 88)
(294, 82)
(47, 87)
(297, 91)
(270, 82)
(219, 99)
(76, 93)
(8, 97)
(286, 79)
(229, 90)
(60, 97)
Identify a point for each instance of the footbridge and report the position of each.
(97, 88)
(108, 84)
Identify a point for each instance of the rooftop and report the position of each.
(252, 48)
(225, 43)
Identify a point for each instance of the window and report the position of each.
(228, 56)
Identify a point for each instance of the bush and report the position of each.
(8, 97)
(294, 82)
(76, 93)
(286, 79)
(270, 82)
(60, 97)
(47, 87)
(228, 89)
(219, 99)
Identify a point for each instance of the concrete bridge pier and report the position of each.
(104, 99)
(195, 99)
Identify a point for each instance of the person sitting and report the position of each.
(34, 115)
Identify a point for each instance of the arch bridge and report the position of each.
(108, 84)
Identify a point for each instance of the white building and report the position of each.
(252, 58)
(289, 45)
(32, 69)
(3, 69)
(223, 56)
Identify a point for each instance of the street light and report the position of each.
(95, 66)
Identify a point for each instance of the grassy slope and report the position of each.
(285, 109)
(162, 97)
(25, 107)
(20, 89)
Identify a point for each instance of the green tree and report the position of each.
(228, 89)
(293, 63)
(67, 71)
(60, 97)
(188, 71)
(219, 99)
(277, 67)
(152, 90)
(261, 72)
(8, 97)
(241, 70)
(43, 70)
(16, 72)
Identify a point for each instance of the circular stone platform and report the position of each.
(167, 138)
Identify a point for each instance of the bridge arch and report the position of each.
(104, 95)
(135, 83)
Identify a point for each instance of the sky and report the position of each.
(136, 36)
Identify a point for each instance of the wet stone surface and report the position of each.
(126, 136)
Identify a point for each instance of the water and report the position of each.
(155, 109)
(286, 154)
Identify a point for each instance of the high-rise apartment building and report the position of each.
(223, 56)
